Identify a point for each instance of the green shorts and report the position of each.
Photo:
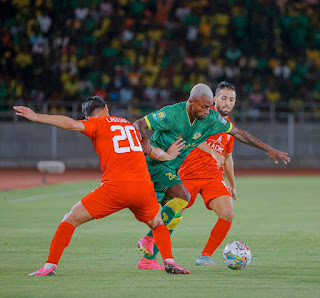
(163, 178)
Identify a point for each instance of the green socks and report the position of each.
(171, 226)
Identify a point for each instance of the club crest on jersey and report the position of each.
(222, 120)
(159, 116)
(197, 135)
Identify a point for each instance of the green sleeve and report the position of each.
(162, 119)
(226, 124)
(221, 124)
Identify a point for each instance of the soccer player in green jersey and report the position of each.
(193, 121)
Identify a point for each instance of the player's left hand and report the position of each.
(276, 154)
(233, 193)
(146, 146)
(175, 149)
(26, 112)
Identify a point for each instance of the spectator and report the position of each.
(233, 53)
(154, 50)
(45, 22)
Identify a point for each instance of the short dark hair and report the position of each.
(224, 85)
(91, 104)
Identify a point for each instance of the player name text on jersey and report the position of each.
(115, 119)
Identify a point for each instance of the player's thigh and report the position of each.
(166, 180)
(143, 201)
(193, 186)
(223, 206)
(78, 215)
(108, 198)
(160, 191)
(213, 189)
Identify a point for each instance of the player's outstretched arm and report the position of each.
(55, 120)
(141, 125)
(246, 138)
(229, 171)
(215, 155)
(173, 151)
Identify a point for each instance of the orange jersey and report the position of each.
(117, 144)
(201, 165)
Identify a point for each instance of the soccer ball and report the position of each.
(237, 255)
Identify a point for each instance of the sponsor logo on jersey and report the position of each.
(197, 135)
(190, 145)
(171, 176)
(217, 144)
(159, 116)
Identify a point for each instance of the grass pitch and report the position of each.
(278, 217)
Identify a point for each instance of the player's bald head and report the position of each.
(201, 92)
(199, 102)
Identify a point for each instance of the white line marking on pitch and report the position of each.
(48, 195)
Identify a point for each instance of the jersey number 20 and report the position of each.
(125, 133)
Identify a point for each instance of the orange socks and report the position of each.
(60, 241)
(162, 239)
(218, 233)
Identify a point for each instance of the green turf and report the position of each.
(278, 218)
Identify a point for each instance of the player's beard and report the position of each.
(221, 112)
(199, 117)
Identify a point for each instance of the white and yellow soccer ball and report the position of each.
(237, 255)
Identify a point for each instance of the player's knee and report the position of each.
(227, 215)
(157, 221)
(65, 216)
(185, 196)
(73, 219)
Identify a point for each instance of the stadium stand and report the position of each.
(133, 51)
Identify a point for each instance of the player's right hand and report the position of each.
(175, 149)
(25, 112)
(233, 193)
(146, 146)
(275, 154)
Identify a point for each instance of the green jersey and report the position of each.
(172, 122)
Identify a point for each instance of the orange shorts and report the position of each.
(109, 198)
(208, 188)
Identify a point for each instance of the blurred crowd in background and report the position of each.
(133, 51)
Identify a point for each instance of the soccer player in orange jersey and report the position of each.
(126, 182)
(200, 175)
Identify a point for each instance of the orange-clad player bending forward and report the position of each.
(126, 182)
(200, 175)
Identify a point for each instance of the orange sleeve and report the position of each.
(90, 127)
(229, 146)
